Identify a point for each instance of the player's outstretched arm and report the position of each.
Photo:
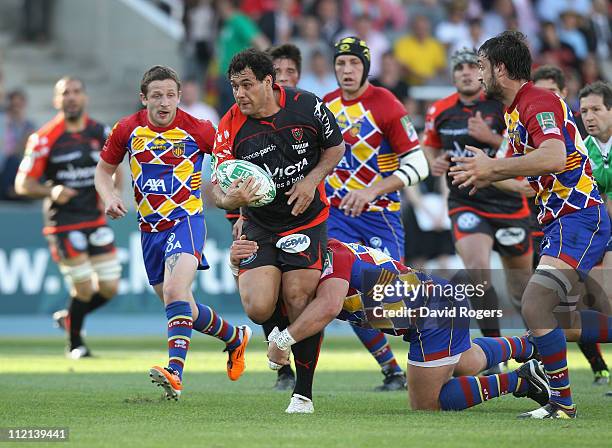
(105, 185)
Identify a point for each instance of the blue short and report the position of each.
(379, 230)
(579, 238)
(609, 246)
(188, 236)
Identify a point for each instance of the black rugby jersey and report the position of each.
(288, 146)
(446, 128)
(67, 158)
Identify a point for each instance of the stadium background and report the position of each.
(110, 43)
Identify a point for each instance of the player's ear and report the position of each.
(143, 99)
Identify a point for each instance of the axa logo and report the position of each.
(155, 185)
(294, 244)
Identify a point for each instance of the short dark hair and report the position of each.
(69, 78)
(509, 48)
(159, 73)
(287, 51)
(603, 89)
(550, 72)
(16, 93)
(258, 61)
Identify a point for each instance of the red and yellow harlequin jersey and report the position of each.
(537, 115)
(166, 165)
(376, 131)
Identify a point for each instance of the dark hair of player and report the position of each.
(600, 88)
(550, 72)
(158, 73)
(258, 61)
(288, 51)
(509, 48)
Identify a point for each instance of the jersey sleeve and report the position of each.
(338, 262)
(398, 128)
(431, 137)
(327, 126)
(544, 119)
(205, 135)
(34, 162)
(115, 147)
(222, 150)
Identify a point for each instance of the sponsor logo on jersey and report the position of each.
(297, 133)
(288, 170)
(467, 221)
(156, 178)
(171, 244)
(294, 243)
(547, 123)
(323, 118)
(179, 149)
(155, 185)
(355, 129)
(509, 236)
(65, 158)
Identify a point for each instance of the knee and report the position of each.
(297, 296)
(174, 292)
(257, 311)
(108, 289)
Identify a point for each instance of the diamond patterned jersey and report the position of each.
(165, 164)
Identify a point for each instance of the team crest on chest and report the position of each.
(179, 149)
(297, 133)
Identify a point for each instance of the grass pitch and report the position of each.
(109, 401)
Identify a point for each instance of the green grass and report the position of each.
(109, 401)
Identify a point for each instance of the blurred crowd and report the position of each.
(410, 41)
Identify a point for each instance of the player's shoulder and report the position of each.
(537, 97)
(333, 95)
(95, 126)
(190, 123)
(132, 121)
(295, 98)
(55, 126)
(380, 94)
(443, 104)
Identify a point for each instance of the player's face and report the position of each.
(70, 98)
(597, 119)
(467, 79)
(161, 102)
(286, 72)
(549, 84)
(251, 95)
(349, 71)
(488, 78)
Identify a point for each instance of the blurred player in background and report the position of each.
(293, 136)
(551, 154)
(492, 219)
(552, 78)
(382, 157)
(59, 166)
(166, 147)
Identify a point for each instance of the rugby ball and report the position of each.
(230, 170)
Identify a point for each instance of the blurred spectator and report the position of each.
(278, 24)
(432, 9)
(391, 78)
(385, 14)
(377, 42)
(332, 29)
(454, 28)
(599, 30)
(191, 102)
(571, 35)
(422, 57)
(590, 70)
(36, 20)
(199, 21)
(320, 79)
(550, 10)
(237, 33)
(475, 38)
(15, 128)
(310, 41)
(498, 18)
(553, 51)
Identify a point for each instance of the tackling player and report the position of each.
(166, 147)
(293, 136)
(550, 153)
(382, 156)
(59, 166)
(492, 219)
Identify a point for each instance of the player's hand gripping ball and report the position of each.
(230, 170)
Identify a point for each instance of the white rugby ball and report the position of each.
(230, 170)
